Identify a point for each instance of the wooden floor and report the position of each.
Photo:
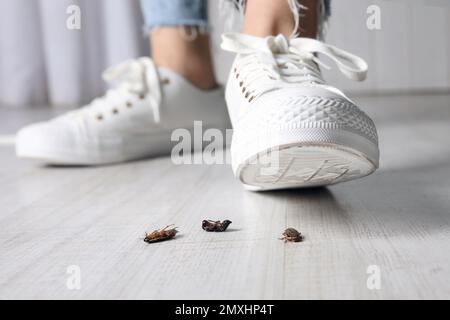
(398, 219)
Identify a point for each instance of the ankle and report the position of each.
(272, 17)
(268, 17)
(185, 51)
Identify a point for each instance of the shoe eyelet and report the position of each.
(241, 83)
(165, 81)
(115, 111)
(129, 104)
(99, 117)
(142, 96)
(251, 98)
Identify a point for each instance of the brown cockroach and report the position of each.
(291, 235)
(215, 226)
(161, 235)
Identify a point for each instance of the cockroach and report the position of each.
(291, 235)
(161, 235)
(215, 226)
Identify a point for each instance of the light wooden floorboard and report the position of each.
(95, 218)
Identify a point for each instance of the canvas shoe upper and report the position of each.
(278, 99)
(132, 121)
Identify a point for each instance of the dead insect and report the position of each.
(291, 235)
(161, 235)
(215, 226)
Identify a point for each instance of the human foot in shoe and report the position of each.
(291, 129)
(133, 121)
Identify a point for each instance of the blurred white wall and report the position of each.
(44, 62)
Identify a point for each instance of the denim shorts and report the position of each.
(158, 13)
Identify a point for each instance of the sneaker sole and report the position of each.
(303, 165)
(301, 158)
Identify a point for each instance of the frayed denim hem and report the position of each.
(170, 13)
(233, 11)
(202, 26)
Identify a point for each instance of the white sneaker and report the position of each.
(133, 121)
(290, 129)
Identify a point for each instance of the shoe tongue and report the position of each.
(278, 44)
(170, 76)
(166, 73)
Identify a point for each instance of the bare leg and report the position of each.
(271, 17)
(175, 49)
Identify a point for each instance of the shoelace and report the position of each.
(138, 77)
(293, 60)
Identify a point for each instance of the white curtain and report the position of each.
(42, 62)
